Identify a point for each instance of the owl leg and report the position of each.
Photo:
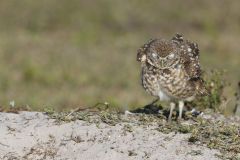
(172, 106)
(180, 105)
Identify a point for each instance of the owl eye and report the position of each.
(171, 55)
(154, 55)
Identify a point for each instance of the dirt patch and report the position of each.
(34, 135)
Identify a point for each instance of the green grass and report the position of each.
(70, 54)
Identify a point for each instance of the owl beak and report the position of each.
(162, 63)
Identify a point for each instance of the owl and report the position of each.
(170, 71)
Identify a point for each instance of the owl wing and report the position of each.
(190, 59)
(178, 38)
(189, 55)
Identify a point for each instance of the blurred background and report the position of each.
(67, 54)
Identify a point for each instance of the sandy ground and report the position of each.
(33, 135)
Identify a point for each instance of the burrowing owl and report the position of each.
(171, 70)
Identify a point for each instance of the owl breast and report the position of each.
(175, 84)
(167, 84)
(151, 84)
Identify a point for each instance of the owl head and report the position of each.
(159, 53)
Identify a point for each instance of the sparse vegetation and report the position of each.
(215, 133)
(215, 84)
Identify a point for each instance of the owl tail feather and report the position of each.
(200, 87)
(202, 91)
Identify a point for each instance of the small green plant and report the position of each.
(48, 110)
(215, 85)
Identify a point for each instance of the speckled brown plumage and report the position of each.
(171, 69)
(189, 54)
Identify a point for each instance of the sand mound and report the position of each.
(33, 135)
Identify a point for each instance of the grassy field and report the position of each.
(67, 54)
